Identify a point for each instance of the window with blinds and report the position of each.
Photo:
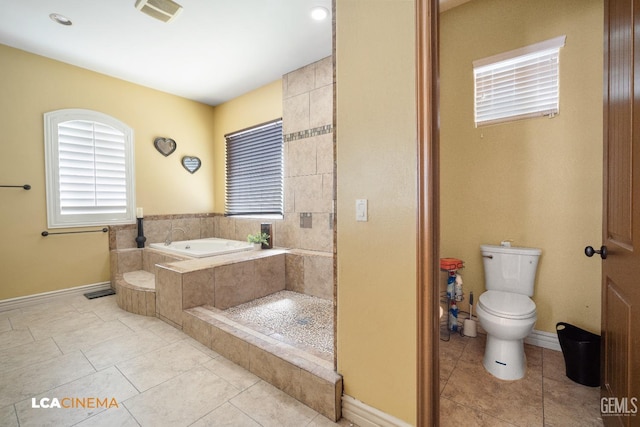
(89, 160)
(518, 84)
(254, 176)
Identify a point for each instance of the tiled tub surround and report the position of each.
(309, 266)
(133, 278)
(306, 230)
(191, 295)
(222, 281)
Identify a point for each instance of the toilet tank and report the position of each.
(510, 269)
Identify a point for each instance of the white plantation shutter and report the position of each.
(254, 176)
(89, 169)
(518, 84)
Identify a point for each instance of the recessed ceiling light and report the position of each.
(60, 19)
(319, 13)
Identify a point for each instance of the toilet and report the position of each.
(505, 310)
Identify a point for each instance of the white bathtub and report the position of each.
(204, 247)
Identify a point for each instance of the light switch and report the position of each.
(361, 210)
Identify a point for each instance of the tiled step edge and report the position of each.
(135, 299)
(312, 382)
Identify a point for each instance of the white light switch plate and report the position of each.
(361, 210)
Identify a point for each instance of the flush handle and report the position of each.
(487, 256)
(589, 251)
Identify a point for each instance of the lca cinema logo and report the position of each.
(74, 403)
(613, 406)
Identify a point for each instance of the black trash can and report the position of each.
(581, 351)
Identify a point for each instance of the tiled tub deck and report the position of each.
(193, 294)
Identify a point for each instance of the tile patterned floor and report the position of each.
(470, 396)
(79, 348)
(300, 318)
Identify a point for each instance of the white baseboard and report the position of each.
(544, 339)
(20, 302)
(367, 416)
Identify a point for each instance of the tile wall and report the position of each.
(307, 226)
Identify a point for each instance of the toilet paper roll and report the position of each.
(470, 328)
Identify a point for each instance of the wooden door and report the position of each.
(621, 216)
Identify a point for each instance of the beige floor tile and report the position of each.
(109, 384)
(15, 338)
(69, 322)
(10, 313)
(38, 313)
(322, 421)
(226, 415)
(138, 322)
(24, 355)
(108, 313)
(450, 352)
(234, 374)
(84, 305)
(112, 417)
(121, 348)
(166, 331)
(8, 417)
(470, 384)
(181, 400)
(569, 404)
(553, 367)
(158, 366)
(472, 396)
(51, 307)
(453, 414)
(474, 350)
(199, 346)
(272, 407)
(95, 333)
(22, 383)
(5, 325)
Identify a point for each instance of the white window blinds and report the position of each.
(92, 168)
(254, 162)
(518, 84)
(89, 169)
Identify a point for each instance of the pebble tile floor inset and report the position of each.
(298, 317)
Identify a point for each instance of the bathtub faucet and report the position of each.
(169, 238)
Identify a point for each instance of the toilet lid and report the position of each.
(507, 304)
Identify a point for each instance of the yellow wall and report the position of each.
(258, 106)
(376, 160)
(31, 85)
(536, 181)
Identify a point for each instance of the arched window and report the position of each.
(89, 159)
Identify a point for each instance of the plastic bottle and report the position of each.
(453, 317)
(451, 285)
(458, 288)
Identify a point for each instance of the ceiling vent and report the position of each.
(164, 10)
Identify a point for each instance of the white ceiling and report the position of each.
(215, 50)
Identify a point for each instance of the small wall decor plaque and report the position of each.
(192, 164)
(165, 146)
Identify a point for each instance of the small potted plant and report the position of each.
(258, 239)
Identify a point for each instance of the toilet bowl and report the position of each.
(507, 318)
(505, 311)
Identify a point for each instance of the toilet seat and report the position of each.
(507, 305)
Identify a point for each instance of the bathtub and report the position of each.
(204, 247)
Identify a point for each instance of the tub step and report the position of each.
(305, 377)
(136, 292)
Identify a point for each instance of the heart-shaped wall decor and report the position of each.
(165, 146)
(192, 164)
